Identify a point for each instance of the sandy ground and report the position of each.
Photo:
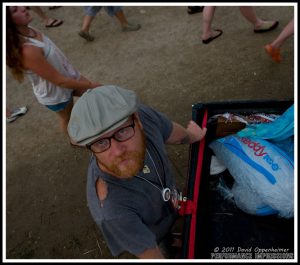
(168, 67)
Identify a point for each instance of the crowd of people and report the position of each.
(126, 138)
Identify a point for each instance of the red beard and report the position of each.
(127, 165)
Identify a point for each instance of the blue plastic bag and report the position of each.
(278, 130)
(287, 146)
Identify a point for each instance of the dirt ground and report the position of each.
(169, 68)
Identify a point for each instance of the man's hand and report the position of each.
(151, 253)
(195, 132)
(190, 135)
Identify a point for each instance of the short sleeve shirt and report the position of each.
(133, 217)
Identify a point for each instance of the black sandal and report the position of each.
(53, 7)
(195, 9)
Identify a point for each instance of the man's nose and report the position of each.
(116, 148)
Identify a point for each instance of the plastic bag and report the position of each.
(263, 173)
(278, 130)
(287, 146)
(249, 201)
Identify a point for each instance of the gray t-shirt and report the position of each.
(133, 217)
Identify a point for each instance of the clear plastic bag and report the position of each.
(263, 174)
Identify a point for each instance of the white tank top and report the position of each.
(46, 92)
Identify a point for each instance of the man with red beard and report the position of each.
(131, 190)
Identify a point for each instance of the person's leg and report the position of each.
(249, 14)
(121, 18)
(63, 110)
(208, 15)
(64, 117)
(208, 33)
(259, 24)
(119, 14)
(287, 32)
(90, 13)
(273, 49)
(48, 22)
(84, 32)
(86, 24)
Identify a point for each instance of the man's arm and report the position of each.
(179, 135)
(151, 253)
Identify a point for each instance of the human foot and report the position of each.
(266, 26)
(53, 22)
(86, 35)
(216, 33)
(131, 27)
(274, 53)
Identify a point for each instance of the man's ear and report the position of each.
(137, 118)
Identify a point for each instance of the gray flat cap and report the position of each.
(99, 111)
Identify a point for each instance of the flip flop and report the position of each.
(267, 26)
(54, 23)
(212, 38)
(195, 9)
(53, 7)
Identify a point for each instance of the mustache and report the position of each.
(130, 155)
(137, 155)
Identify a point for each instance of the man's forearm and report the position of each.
(191, 134)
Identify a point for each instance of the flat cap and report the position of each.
(99, 111)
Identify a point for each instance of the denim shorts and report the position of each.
(93, 10)
(60, 106)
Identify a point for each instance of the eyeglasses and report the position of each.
(121, 135)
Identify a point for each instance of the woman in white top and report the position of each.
(30, 53)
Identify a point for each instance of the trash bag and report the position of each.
(263, 174)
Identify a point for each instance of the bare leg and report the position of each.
(259, 24)
(121, 17)
(64, 117)
(209, 34)
(249, 14)
(87, 21)
(208, 15)
(287, 32)
(46, 20)
(84, 32)
(273, 49)
(126, 26)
